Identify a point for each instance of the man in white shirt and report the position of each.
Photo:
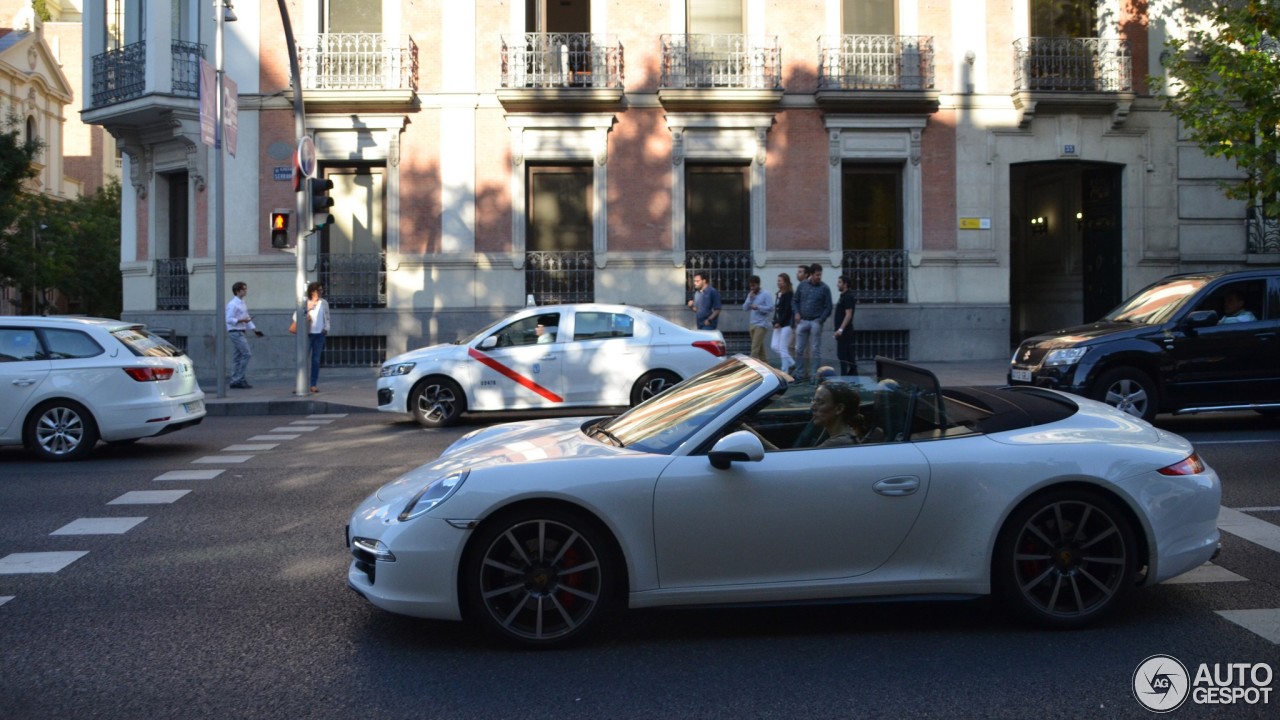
(239, 321)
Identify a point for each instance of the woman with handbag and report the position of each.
(317, 328)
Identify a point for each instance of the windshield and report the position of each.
(662, 423)
(1159, 302)
(145, 343)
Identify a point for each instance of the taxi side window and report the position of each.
(18, 344)
(525, 331)
(602, 326)
(66, 344)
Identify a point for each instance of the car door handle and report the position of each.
(23, 382)
(898, 486)
(1266, 336)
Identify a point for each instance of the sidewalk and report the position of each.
(352, 390)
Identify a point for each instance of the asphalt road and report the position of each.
(230, 602)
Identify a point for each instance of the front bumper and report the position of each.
(1067, 378)
(393, 393)
(422, 580)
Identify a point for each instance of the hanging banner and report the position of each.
(208, 108)
(230, 113)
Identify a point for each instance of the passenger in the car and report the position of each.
(835, 410)
(1233, 309)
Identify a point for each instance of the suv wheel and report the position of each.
(1128, 389)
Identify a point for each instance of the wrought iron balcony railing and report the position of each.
(186, 68)
(721, 61)
(120, 74)
(1262, 234)
(358, 61)
(729, 271)
(876, 276)
(1060, 64)
(560, 276)
(354, 280)
(173, 284)
(555, 60)
(875, 62)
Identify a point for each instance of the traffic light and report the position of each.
(320, 202)
(279, 227)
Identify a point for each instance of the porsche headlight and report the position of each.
(1065, 356)
(397, 369)
(432, 495)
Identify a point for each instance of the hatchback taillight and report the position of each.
(715, 347)
(1193, 465)
(149, 374)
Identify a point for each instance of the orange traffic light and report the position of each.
(279, 229)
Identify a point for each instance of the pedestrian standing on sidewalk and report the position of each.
(759, 308)
(705, 303)
(783, 317)
(802, 282)
(813, 307)
(844, 327)
(317, 328)
(239, 322)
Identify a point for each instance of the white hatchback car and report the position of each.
(555, 356)
(66, 382)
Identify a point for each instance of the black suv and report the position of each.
(1189, 343)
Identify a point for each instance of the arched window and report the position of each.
(31, 129)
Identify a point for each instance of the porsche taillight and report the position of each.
(1192, 465)
(149, 374)
(715, 347)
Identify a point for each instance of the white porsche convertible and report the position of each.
(719, 491)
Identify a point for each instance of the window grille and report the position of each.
(173, 284)
(729, 271)
(896, 344)
(560, 276)
(354, 351)
(876, 276)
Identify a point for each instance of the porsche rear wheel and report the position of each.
(1065, 559)
(437, 402)
(539, 577)
(652, 383)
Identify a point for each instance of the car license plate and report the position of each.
(1020, 375)
(193, 406)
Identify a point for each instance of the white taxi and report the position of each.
(555, 356)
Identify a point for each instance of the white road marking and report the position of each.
(149, 497)
(1259, 532)
(99, 526)
(38, 562)
(1272, 508)
(257, 438)
(190, 475)
(6, 598)
(310, 422)
(333, 416)
(1261, 622)
(1206, 573)
(251, 448)
(296, 428)
(213, 459)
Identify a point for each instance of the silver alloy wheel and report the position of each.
(1070, 559)
(653, 383)
(438, 403)
(1129, 395)
(60, 431)
(540, 580)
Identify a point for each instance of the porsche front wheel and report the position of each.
(538, 577)
(1065, 558)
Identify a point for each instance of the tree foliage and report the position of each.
(1224, 86)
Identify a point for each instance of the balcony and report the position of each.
(120, 85)
(560, 276)
(729, 270)
(354, 280)
(561, 72)
(720, 72)
(358, 69)
(876, 276)
(876, 74)
(173, 284)
(1262, 233)
(1072, 75)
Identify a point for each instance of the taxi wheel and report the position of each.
(437, 402)
(60, 430)
(652, 383)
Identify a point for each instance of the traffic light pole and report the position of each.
(300, 206)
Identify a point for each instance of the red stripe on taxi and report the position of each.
(513, 375)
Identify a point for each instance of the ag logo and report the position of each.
(1161, 683)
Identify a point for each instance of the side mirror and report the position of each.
(1201, 318)
(489, 342)
(740, 446)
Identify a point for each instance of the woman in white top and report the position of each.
(317, 328)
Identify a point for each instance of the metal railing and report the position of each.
(867, 344)
(876, 276)
(552, 60)
(186, 68)
(1060, 64)
(120, 74)
(560, 276)
(354, 280)
(729, 271)
(1262, 234)
(173, 284)
(358, 61)
(354, 351)
(875, 62)
(721, 61)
